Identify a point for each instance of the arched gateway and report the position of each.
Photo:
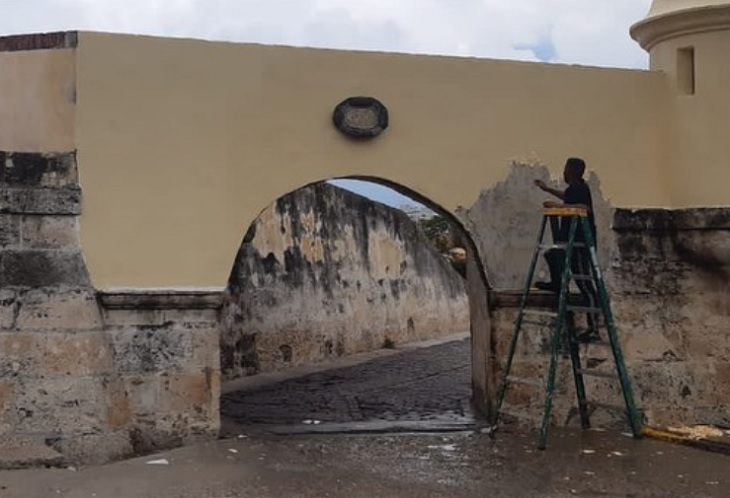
(132, 165)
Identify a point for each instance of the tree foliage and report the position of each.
(438, 231)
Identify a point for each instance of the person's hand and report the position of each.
(541, 184)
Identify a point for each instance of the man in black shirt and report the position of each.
(578, 194)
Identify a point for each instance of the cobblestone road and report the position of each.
(432, 383)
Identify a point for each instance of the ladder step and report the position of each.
(601, 343)
(583, 278)
(537, 323)
(595, 373)
(584, 309)
(560, 246)
(526, 382)
(540, 313)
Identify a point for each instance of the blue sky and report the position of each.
(375, 192)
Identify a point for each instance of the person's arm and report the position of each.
(552, 191)
(573, 197)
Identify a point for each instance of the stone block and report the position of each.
(43, 268)
(119, 413)
(74, 354)
(95, 449)
(152, 349)
(50, 232)
(9, 231)
(59, 309)
(40, 201)
(9, 307)
(32, 354)
(61, 405)
(20, 355)
(166, 348)
(7, 407)
(181, 402)
(33, 169)
(20, 453)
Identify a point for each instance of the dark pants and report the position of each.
(580, 265)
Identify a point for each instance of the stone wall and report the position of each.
(324, 272)
(667, 275)
(95, 377)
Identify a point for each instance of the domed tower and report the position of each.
(689, 40)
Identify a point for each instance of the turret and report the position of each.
(689, 41)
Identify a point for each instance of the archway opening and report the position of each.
(349, 307)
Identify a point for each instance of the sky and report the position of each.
(588, 32)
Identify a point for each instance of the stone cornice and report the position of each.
(681, 23)
(161, 299)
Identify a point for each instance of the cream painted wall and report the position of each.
(700, 158)
(37, 92)
(182, 143)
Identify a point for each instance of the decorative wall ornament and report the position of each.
(361, 117)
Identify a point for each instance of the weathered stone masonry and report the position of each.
(104, 375)
(94, 376)
(668, 278)
(323, 273)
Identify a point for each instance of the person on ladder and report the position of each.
(578, 194)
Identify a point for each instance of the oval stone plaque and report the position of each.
(361, 117)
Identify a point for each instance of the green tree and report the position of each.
(438, 231)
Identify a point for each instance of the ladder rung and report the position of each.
(536, 323)
(540, 313)
(601, 343)
(588, 278)
(595, 373)
(560, 246)
(584, 309)
(527, 382)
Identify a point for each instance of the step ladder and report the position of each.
(563, 323)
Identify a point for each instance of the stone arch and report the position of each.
(477, 288)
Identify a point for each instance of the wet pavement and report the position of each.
(422, 385)
(590, 464)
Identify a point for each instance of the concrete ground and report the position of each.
(323, 433)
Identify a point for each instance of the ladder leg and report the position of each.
(580, 389)
(518, 323)
(550, 389)
(559, 324)
(623, 374)
(604, 302)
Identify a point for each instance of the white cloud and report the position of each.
(591, 32)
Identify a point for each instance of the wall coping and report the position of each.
(161, 299)
(39, 41)
(671, 220)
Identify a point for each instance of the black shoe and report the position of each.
(548, 286)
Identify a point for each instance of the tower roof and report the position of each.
(662, 7)
(672, 18)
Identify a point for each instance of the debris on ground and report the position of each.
(704, 437)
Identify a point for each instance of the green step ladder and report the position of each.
(563, 323)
